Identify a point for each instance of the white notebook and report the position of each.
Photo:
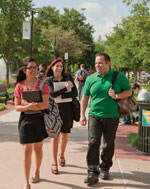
(59, 86)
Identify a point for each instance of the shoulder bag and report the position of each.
(52, 119)
(76, 109)
(126, 105)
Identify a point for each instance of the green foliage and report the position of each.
(129, 43)
(129, 2)
(100, 46)
(147, 87)
(75, 29)
(133, 139)
(12, 47)
(55, 33)
(11, 89)
(2, 106)
(65, 41)
(73, 20)
(2, 99)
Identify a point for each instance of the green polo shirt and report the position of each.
(97, 86)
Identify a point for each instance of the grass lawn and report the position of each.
(133, 139)
(147, 87)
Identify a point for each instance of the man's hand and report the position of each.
(111, 93)
(83, 121)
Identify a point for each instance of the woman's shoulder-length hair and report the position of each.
(49, 71)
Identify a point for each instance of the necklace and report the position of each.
(30, 86)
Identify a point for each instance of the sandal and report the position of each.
(27, 187)
(62, 162)
(35, 179)
(55, 171)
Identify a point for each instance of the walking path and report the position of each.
(130, 169)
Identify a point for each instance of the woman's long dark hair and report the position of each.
(21, 75)
(49, 71)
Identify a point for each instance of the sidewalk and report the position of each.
(130, 169)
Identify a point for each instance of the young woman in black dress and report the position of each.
(55, 72)
(31, 123)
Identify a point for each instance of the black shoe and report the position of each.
(91, 178)
(104, 174)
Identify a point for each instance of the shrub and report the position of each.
(2, 107)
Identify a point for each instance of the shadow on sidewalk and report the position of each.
(108, 184)
(135, 177)
(8, 131)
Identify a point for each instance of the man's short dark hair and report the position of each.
(106, 56)
(135, 85)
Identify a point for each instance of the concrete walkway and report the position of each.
(125, 173)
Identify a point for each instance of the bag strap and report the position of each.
(114, 78)
(43, 83)
(50, 97)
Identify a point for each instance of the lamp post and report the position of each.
(56, 44)
(31, 32)
(83, 9)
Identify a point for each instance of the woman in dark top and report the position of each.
(63, 96)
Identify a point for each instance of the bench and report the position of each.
(3, 92)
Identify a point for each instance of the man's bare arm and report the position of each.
(84, 103)
(121, 95)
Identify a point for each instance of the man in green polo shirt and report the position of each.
(103, 115)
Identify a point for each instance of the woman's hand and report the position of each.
(33, 106)
(69, 85)
(24, 102)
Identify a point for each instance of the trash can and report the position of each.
(144, 128)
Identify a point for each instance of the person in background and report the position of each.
(80, 77)
(56, 74)
(67, 70)
(31, 123)
(40, 72)
(103, 116)
(143, 95)
(91, 72)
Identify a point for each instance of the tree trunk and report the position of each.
(128, 73)
(7, 68)
(136, 71)
(7, 74)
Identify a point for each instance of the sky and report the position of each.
(102, 14)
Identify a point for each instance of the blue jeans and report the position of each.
(80, 88)
(127, 119)
(96, 128)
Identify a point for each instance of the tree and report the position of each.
(65, 41)
(99, 46)
(73, 20)
(13, 12)
(129, 43)
(67, 23)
